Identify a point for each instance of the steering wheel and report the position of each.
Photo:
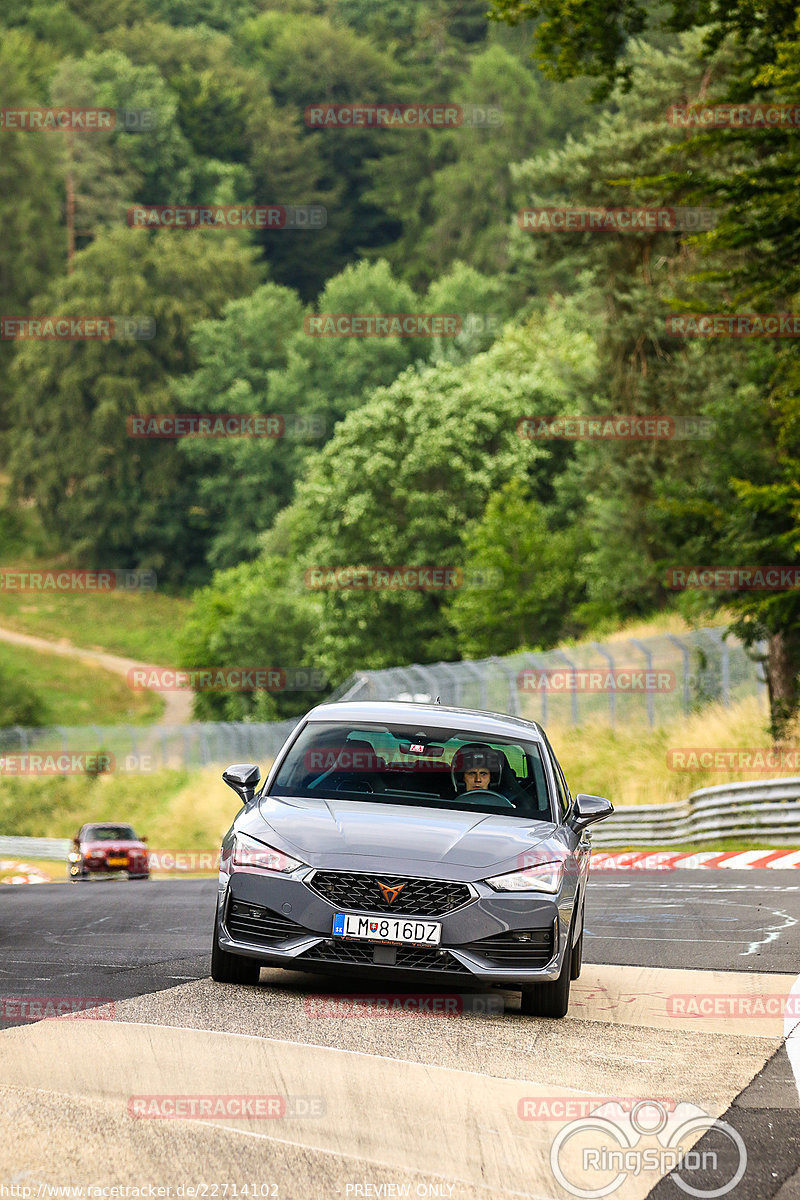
(347, 783)
(504, 800)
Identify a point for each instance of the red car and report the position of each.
(108, 849)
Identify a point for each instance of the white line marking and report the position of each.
(771, 934)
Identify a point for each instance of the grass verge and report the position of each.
(78, 693)
(630, 765)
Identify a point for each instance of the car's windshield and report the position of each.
(109, 833)
(430, 767)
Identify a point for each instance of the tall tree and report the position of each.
(111, 500)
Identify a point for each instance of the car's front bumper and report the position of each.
(279, 920)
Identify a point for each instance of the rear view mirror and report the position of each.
(244, 778)
(588, 809)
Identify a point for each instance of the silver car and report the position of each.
(438, 844)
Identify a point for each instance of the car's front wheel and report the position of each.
(576, 961)
(549, 999)
(231, 968)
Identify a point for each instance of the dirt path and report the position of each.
(177, 705)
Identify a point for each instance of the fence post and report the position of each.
(574, 695)
(651, 716)
(511, 680)
(684, 649)
(718, 636)
(612, 695)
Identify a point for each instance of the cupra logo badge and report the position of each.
(390, 894)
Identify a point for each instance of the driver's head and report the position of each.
(476, 766)
(477, 777)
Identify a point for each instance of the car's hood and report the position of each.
(317, 829)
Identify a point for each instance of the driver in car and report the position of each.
(476, 768)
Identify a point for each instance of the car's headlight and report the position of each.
(541, 877)
(247, 852)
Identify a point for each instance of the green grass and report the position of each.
(140, 625)
(77, 693)
(174, 810)
(630, 764)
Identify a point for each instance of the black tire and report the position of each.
(576, 958)
(549, 999)
(232, 968)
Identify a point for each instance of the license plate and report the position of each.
(118, 862)
(410, 930)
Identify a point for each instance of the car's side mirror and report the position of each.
(588, 809)
(143, 839)
(244, 778)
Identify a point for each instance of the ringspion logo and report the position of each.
(594, 1155)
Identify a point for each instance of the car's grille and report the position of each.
(256, 924)
(422, 897)
(416, 958)
(518, 948)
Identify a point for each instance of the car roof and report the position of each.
(404, 712)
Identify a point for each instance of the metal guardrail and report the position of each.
(32, 847)
(767, 810)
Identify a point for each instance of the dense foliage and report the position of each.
(412, 453)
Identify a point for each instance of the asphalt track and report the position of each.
(388, 1105)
